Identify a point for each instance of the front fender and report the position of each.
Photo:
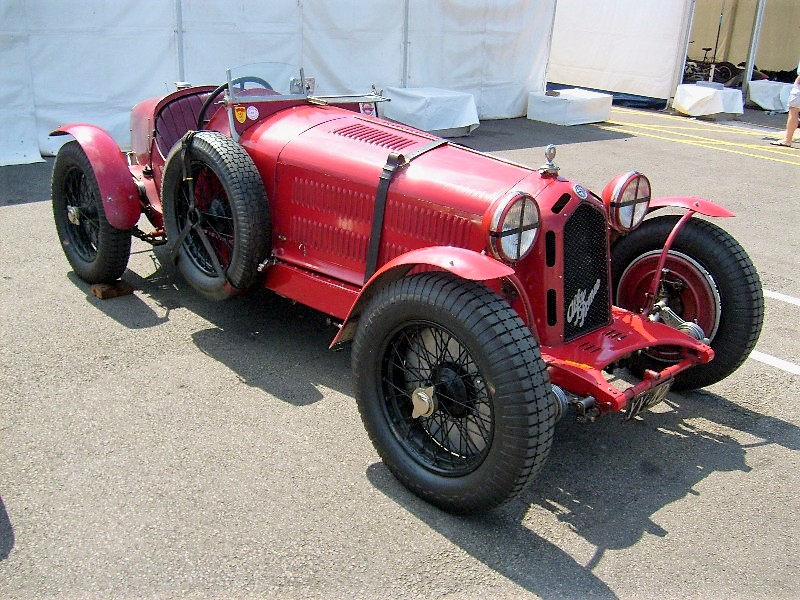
(459, 261)
(117, 189)
(700, 205)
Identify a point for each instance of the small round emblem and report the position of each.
(580, 192)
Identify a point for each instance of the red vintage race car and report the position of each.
(483, 299)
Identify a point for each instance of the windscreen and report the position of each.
(265, 81)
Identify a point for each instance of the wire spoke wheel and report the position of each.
(452, 390)
(81, 207)
(454, 439)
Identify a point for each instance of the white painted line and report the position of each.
(782, 297)
(779, 363)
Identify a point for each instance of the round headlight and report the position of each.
(627, 198)
(513, 228)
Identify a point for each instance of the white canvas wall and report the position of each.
(629, 46)
(91, 60)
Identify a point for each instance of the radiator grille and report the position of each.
(587, 303)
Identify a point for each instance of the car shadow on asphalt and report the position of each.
(523, 133)
(269, 342)
(605, 482)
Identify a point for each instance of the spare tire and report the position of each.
(216, 214)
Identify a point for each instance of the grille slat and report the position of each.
(587, 302)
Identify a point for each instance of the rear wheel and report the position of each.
(216, 215)
(97, 252)
(452, 391)
(710, 281)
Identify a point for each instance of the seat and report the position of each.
(177, 116)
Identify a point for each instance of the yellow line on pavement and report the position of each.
(727, 129)
(704, 143)
(714, 142)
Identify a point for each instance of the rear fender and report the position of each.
(117, 188)
(459, 261)
(699, 205)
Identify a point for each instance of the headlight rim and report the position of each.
(613, 199)
(497, 231)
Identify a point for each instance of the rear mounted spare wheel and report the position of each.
(97, 252)
(216, 214)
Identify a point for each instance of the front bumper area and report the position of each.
(578, 366)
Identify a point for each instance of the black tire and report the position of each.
(705, 262)
(97, 252)
(219, 240)
(725, 71)
(492, 426)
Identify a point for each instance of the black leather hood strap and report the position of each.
(394, 163)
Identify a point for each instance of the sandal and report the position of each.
(780, 143)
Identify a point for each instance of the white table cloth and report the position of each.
(444, 112)
(770, 95)
(572, 106)
(698, 100)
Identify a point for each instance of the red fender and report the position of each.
(700, 205)
(117, 189)
(459, 261)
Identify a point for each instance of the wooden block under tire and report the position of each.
(104, 291)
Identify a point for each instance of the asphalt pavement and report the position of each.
(162, 446)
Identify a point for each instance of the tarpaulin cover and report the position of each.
(91, 61)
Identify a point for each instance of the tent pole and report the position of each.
(405, 43)
(179, 39)
(751, 54)
(677, 77)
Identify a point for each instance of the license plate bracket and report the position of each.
(647, 400)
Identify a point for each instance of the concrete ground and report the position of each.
(162, 446)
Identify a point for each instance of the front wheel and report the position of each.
(452, 390)
(709, 281)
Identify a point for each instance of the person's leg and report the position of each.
(791, 127)
(791, 124)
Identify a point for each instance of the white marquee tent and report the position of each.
(90, 61)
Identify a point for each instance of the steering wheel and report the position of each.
(239, 81)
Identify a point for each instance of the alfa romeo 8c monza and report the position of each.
(483, 300)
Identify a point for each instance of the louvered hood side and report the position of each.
(326, 180)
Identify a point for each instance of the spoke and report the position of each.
(402, 391)
(210, 250)
(179, 242)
